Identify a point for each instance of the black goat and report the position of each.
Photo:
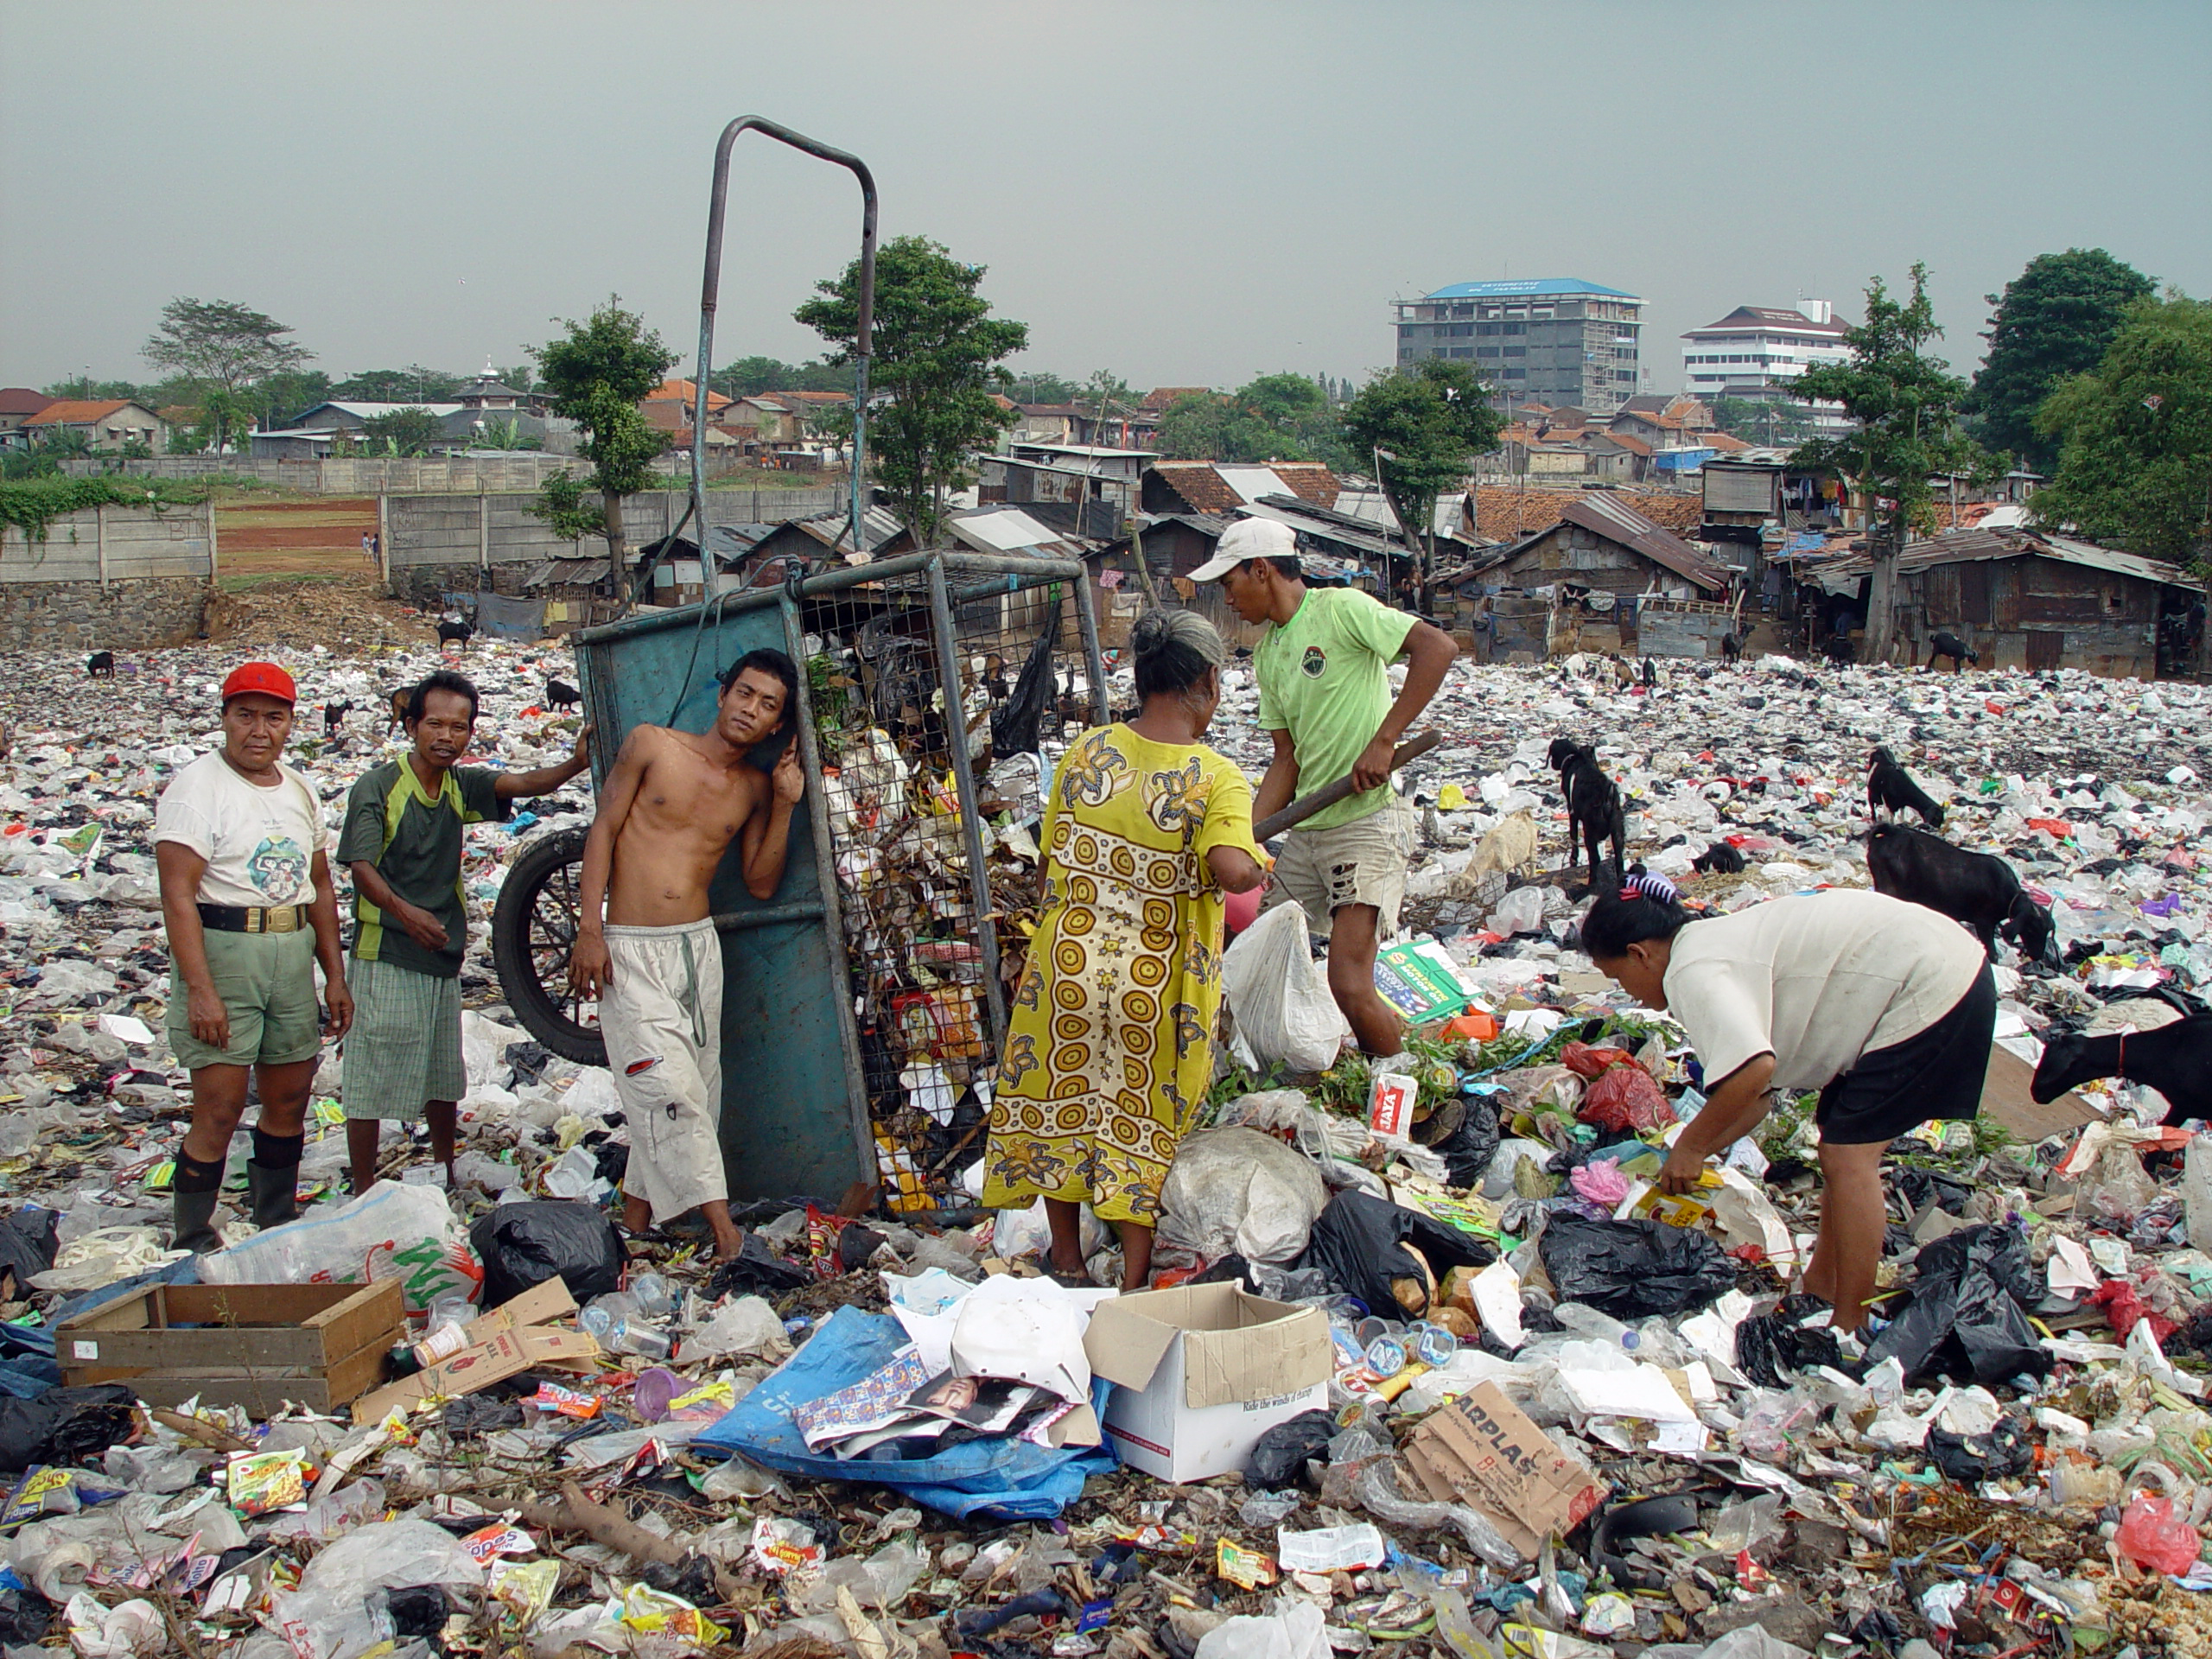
(1594, 812)
(2175, 1058)
(560, 694)
(100, 665)
(334, 717)
(1731, 649)
(1979, 889)
(452, 633)
(1650, 675)
(1839, 650)
(1719, 859)
(1950, 645)
(1890, 788)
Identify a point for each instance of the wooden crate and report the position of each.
(321, 1346)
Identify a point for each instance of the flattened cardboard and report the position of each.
(1483, 1450)
(509, 1339)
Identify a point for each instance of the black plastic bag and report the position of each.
(1014, 722)
(522, 1245)
(1281, 1456)
(64, 1426)
(1467, 1151)
(1360, 1241)
(1771, 1346)
(1971, 1458)
(757, 1271)
(1632, 1270)
(29, 1240)
(1967, 1315)
(25, 1617)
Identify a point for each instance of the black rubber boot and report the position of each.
(195, 1222)
(274, 1193)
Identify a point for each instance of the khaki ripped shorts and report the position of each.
(1363, 862)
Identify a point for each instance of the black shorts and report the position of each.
(1934, 1074)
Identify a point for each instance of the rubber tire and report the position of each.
(541, 1016)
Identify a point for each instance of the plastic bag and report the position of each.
(1297, 1632)
(334, 1611)
(745, 1325)
(28, 1239)
(1281, 1456)
(64, 1426)
(1771, 1347)
(1624, 1099)
(1279, 996)
(1585, 1060)
(1387, 1256)
(1632, 1270)
(1969, 1311)
(2007, 1449)
(1467, 1151)
(2150, 1534)
(392, 1231)
(1240, 1191)
(1520, 911)
(523, 1245)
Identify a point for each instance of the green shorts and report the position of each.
(404, 1048)
(267, 984)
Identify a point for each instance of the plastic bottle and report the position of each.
(1599, 1327)
(635, 1336)
(654, 1297)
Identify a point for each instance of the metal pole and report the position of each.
(825, 872)
(964, 779)
(1094, 664)
(711, 286)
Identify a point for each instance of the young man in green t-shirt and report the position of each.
(1325, 695)
(403, 839)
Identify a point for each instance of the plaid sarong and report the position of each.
(404, 1048)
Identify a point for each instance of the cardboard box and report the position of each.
(1419, 978)
(1483, 1450)
(1202, 1372)
(252, 1345)
(512, 1338)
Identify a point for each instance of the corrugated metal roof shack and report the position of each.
(2025, 599)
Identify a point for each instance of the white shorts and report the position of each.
(662, 1019)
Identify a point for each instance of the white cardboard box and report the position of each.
(1201, 1372)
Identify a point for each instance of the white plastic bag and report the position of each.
(392, 1231)
(1278, 995)
(1239, 1190)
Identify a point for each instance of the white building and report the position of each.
(1754, 351)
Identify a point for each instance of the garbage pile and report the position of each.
(1429, 1361)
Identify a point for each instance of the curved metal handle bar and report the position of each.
(710, 288)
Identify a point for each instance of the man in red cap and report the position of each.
(247, 899)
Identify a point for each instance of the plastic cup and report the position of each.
(656, 1387)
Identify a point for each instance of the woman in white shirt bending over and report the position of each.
(1887, 1009)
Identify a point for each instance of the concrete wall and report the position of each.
(381, 475)
(108, 578)
(459, 533)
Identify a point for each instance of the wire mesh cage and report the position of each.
(940, 698)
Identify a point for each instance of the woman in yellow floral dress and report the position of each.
(1109, 1049)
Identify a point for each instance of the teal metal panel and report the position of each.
(792, 1122)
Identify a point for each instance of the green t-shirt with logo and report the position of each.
(1322, 679)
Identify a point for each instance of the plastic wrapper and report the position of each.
(1367, 1248)
(524, 1245)
(744, 1326)
(1632, 1270)
(1236, 1190)
(1968, 1309)
(1625, 1099)
(2151, 1534)
(1279, 996)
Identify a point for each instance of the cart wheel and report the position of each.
(533, 927)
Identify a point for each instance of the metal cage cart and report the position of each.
(865, 1001)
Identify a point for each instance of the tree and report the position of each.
(1430, 421)
(222, 343)
(2134, 436)
(1041, 386)
(522, 376)
(412, 385)
(750, 376)
(938, 354)
(1907, 403)
(223, 416)
(1758, 420)
(277, 398)
(1275, 417)
(404, 431)
(597, 374)
(87, 389)
(2054, 319)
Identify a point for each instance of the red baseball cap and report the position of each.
(264, 678)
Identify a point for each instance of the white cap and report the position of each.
(1247, 538)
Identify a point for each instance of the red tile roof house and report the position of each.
(18, 404)
(108, 423)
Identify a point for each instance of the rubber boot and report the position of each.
(195, 1222)
(275, 1193)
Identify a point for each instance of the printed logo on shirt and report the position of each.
(279, 869)
(637, 1066)
(1316, 661)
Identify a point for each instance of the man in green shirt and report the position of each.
(1325, 695)
(404, 824)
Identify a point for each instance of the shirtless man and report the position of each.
(670, 808)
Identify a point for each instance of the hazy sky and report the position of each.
(1183, 192)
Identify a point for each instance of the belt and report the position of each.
(246, 918)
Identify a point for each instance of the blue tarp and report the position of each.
(1000, 1479)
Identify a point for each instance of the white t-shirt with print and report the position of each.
(1816, 980)
(259, 841)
